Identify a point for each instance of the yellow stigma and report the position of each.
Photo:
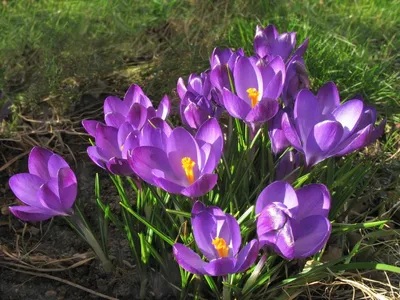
(221, 247)
(122, 147)
(253, 95)
(187, 165)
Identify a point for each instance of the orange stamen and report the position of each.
(253, 95)
(221, 247)
(188, 165)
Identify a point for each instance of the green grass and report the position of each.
(54, 52)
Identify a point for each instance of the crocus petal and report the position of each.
(348, 115)
(50, 200)
(188, 259)
(328, 98)
(107, 141)
(290, 132)
(246, 76)
(314, 199)
(198, 207)
(55, 163)
(204, 226)
(115, 105)
(278, 191)
(164, 108)
(324, 137)
(235, 106)
(220, 266)
(25, 187)
(263, 111)
(276, 134)
(135, 95)
(96, 157)
(90, 126)
(38, 162)
(201, 186)
(311, 235)
(181, 88)
(306, 114)
(119, 166)
(247, 256)
(210, 133)
(166, 184)
(271, 218)
(68, 187)
(273, 75)
(143, 160)
(176, 152)
(274, 88)
(137, 115)
(30, 214)
(234, 232)
(286, 166)
(284, 243)
(155, 133)
(302, 48)
(114, 119)
(194, 115)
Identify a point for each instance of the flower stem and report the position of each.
(226, 292)
(77, 222)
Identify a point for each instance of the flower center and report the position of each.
(253, 95)
(187, 165)
(221, 247)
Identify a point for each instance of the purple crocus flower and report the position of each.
(293, 223)
(268, 42)
(296, 80)
(217, 235)
(276, 135)
(181, 164)
(112, 145)
(123, 121)
(321, 127)
(258, 85)
(197, 103)
(48, 190)
(136, 109)
(287, 164)
(222, 63)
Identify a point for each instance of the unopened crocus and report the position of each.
(123, 121)
(48, 190)
(321, 127)
(296, 80)
(258, 86)
(111, 147)
(293, 222)
(135, 109)
(278, 139)
(287, 165)
(181, 164)
(217, 235)
(222, 62)
(197, 101)
(269, 43)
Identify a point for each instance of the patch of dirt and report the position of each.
(53, 244)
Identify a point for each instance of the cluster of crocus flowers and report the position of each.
(181, 163)
(198, 101)
(321, 127)
(136, 140)
(124, 120)
(217, 235)
(48, 190)
(293, 223)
